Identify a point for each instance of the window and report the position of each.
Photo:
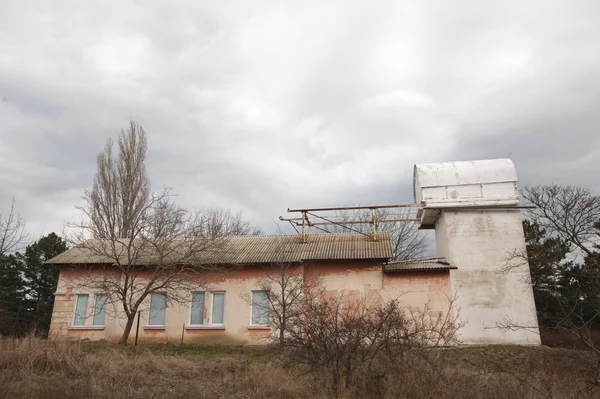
(80, 310)
(100, 310)
(218, 308)
(197, 316)
(260, 308)
(158, 306)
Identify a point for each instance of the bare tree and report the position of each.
(12, 230)
(219, 220)
(408, 241)
(141, 242)
(567, 212)
(12, 297)
(288, 289)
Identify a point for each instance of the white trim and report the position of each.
(156, 327)
(85, 328)
(74, 311)
(251, 325)
(212, 303)
(190, 312)
(213, 327)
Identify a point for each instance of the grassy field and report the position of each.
(33, 368)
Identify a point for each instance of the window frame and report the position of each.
(212, 308)
(150, 309)
(191, 309)
(105, 306)
(75, 310)
(252, 324)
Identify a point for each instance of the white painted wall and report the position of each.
(479, 243)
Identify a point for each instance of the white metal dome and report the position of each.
(465, 184)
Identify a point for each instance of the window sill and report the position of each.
(154, 327)
(205, 327)
(259, 328)
(86, 327)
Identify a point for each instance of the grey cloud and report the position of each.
(262, 107)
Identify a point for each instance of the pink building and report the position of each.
(221, 310)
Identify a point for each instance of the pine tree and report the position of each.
(13, 319)
(546, 257)
(565, 291)
(40, 280)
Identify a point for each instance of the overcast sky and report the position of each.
(260, 106)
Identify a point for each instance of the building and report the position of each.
(351, 264)
(473, 207)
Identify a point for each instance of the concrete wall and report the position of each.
(353, 279)
(480, 244)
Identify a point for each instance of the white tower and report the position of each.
(474, 208)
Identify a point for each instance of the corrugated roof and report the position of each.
(253, 249)
(416, 266)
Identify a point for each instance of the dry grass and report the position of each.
(34, 368)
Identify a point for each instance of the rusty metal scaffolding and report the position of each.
(305, 223)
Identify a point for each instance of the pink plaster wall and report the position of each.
(355, 280)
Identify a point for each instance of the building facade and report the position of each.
(472, 206)
(222, 309)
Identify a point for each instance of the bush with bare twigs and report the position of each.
(359, 344)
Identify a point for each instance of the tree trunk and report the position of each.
(127, 330)
(335, 382)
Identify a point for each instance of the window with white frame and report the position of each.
(80, 310)
(158, 308)
(197, 311)
(218, 308)
(99, 310)
(260, 308)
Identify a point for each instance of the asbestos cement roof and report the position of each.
(416, 266)
(237, 250)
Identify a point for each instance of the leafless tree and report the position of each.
(288, 288)
(141, 241)
(12, 230)
(570, 213)
(12, 239)
(220, 220)
(408, 241)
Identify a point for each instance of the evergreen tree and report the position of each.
(12, 293)
(565, 292)
(546, 257)
(40, 280)
(580, 285)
